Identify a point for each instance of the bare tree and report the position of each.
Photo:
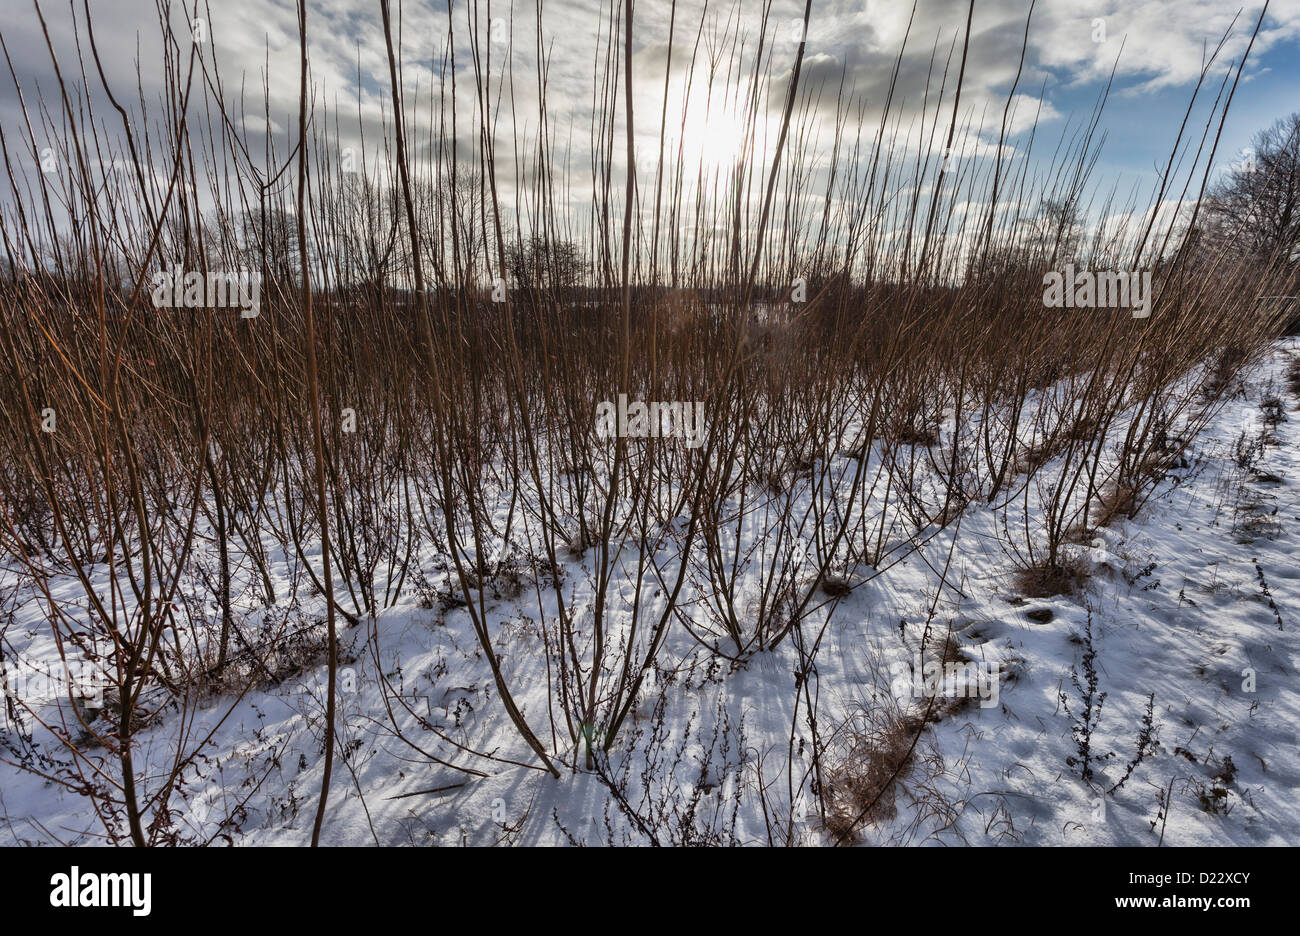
(1256, 208)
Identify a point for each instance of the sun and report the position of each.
(712, 137)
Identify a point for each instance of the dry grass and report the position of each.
(866, 777)
(1065, 578)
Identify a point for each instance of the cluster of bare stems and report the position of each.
(872, 353)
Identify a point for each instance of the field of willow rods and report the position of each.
(360, 484)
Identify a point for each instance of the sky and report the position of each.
(1156, 47)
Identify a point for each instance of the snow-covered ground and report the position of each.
(1193, 604)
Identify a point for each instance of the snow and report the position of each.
(1191, 601)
